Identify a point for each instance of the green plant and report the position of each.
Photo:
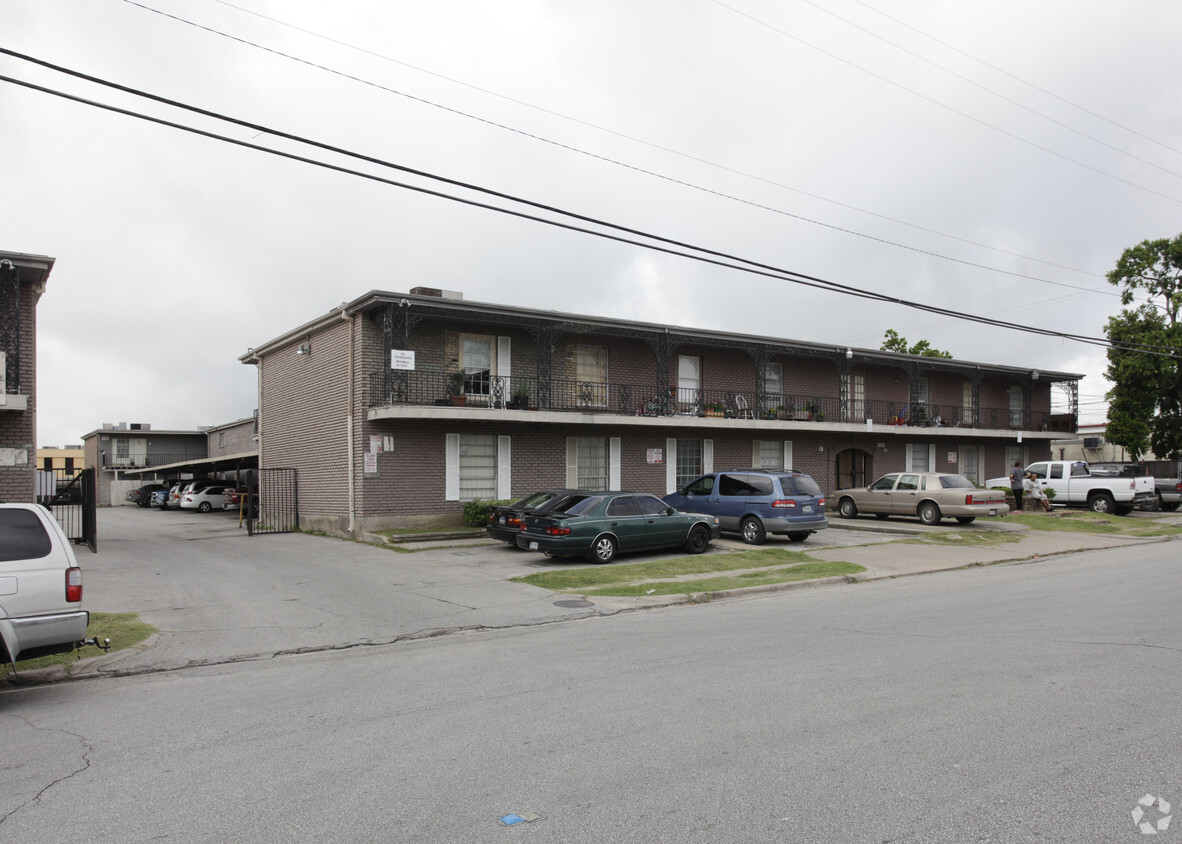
(476, 511)
(1049, 492)
(455, 383)
(715, 406)
(520, 397)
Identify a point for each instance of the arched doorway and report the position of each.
(853, 468)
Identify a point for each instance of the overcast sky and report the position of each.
(994, 159)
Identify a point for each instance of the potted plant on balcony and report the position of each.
(520, 398)
(714, 408)
(455, 388)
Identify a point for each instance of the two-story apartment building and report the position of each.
(22, 281)
(396, 408)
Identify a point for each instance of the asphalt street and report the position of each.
(1005, 703)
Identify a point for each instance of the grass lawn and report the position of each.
(1085, 521)
(124, 629)
(685, 575)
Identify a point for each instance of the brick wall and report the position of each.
(18, 428)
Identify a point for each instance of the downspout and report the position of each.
(349, 418)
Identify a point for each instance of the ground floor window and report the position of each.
(771, 454)
(478, 466)
(689, 460)
(920, 457)
(591, 463)
(970, 462)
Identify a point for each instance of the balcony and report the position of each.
(481, 390)
(141, 461)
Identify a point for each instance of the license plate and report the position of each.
(808, 508)
(501, 520)
(993, 511)
(533, 546)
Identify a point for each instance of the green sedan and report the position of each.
(599, 525)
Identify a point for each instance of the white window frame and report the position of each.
(757, 453)
(613, 462)
(912, 448)
(671, 462)
(502, 461)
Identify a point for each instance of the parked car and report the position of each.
(931, 496)
(142, 496)
(41, 596)
(159, 499)
(233, 497)
(504, 522)
(1076, 486)
(1167, 488)
(204, 499)
(756, 502)
(598, 525)
(174, 496)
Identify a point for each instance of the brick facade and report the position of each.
(371, 445)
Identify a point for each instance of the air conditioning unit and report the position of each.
(1091, 442)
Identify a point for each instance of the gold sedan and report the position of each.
(931, 496)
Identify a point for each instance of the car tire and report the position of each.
(965, 520)
(1101, 502)
(603, 549)
(698, 540)
(799, 536)
(1171, 506)
(752, 531)
(847, 508)
(204, 507)
(929, 513)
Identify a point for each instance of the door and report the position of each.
(661, 529)
(625, 520)
(905, 498)
(731, 502)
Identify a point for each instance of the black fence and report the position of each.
(272, 504)
(482, 390)
(70, 496)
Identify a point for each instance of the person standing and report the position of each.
(1017, 476)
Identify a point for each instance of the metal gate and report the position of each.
(272, 505)
(70, 496)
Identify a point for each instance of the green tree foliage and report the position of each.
(892, 342)
(1145, 402)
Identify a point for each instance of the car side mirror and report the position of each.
(682, 490)
(670, 510)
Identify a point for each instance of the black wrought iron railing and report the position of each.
(146, 461)
(529, 392)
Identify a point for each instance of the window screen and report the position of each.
(478, 466)
(689, 460)
(591, 463)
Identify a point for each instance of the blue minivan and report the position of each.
(756, 502)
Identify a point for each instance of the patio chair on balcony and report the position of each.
(742, 411)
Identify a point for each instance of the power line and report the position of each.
(987, 90)
(662, 244)
(956, 111)
(616, 162)
(1016, 78)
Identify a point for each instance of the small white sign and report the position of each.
(952, 457)
(371, 463)
(402, 359)
(375, 445)
(655, 456)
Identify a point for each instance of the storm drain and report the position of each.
(573, 603)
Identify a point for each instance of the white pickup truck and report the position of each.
(40, 586)
(1075, 486)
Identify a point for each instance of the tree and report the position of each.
(892, 342)
(1145, 402)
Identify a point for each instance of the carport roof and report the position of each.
(244, 460)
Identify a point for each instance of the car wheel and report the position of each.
(929, 513)
(1101, 502)
(752, 530)
(847, 508)
(965, 520)
(1170, 507)
(204, 507)
(603, 550)
(698, 540)
(798, 536)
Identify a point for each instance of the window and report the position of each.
(477, 356)
(591, 374)
(689, 381)
(650, 505)
(968, 413)
(591, 463)
(478, 466)
(69, 465)
(885, 482)
(221, 439)
(22, 536)
(1056, 470)
(923, 392)
(47, 464)
(702, 486)
(1016, 407)
(856, 396)
(689, 460)
(970, 462)
(624, 505)
(1014, 453)
(1039, 470)
(771, 454)
(920, 457)
(909, 482)
(773, 386)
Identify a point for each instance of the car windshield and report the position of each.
(534, 500)
(956, 482)
(799, 485)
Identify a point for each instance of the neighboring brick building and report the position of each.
(127, 456)
(22, 281)
(360, 403)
